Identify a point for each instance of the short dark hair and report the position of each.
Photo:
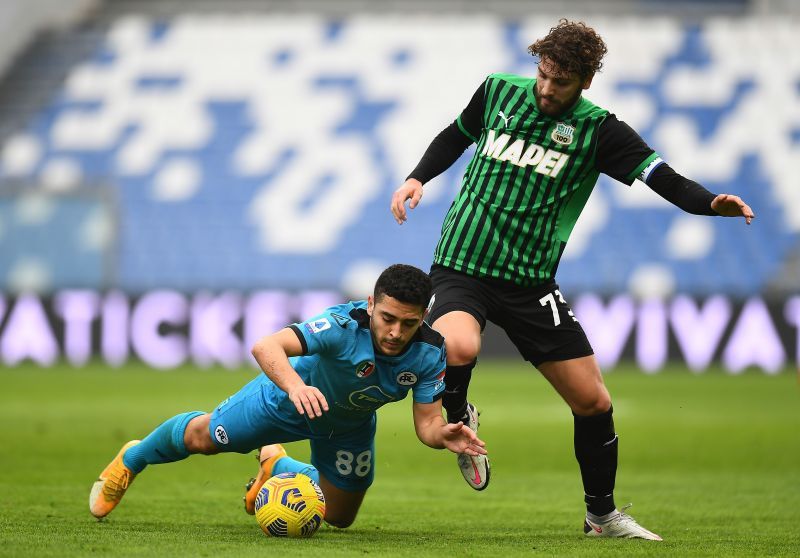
(405, 283)
(573, 46)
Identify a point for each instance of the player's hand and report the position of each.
(411, 189)
(308, 400)
(459, 438)
(728, 205)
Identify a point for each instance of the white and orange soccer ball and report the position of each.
(290, 505)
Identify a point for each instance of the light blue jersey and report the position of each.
(341, 361)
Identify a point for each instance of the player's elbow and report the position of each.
(262, 347)
(257, 348)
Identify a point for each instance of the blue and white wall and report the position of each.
(253, 151)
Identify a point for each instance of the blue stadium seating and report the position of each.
(252, 152)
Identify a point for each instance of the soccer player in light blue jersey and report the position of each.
(323, 381)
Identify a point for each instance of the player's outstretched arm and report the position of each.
(729, 205)
(272, 354)
(410, 190)
(434, 431)
(443, 151)
(694, 198)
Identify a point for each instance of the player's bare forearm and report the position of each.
(272, 355)
(433, 431)
(429, 431)
(729, 205)
(274, 362)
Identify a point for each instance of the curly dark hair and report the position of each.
(405, 283)
(573, 46)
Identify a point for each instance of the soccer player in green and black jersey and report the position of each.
(540, 149)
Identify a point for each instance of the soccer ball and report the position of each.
(290, 505)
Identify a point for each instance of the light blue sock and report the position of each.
(289, 465)
(162, 445)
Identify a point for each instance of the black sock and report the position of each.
(596, 450)
(456, 382)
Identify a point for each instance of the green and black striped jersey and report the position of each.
(529, 180)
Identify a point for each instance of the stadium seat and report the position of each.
(276, 170)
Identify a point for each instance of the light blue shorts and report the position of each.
(260, 414)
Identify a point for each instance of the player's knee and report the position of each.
(462, 337)
(462, 349)
(595, 404)
(197, 439)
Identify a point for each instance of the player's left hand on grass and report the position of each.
(729, 205)
(459, 438)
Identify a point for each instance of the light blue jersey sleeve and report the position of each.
(322, 334)
(430, 386)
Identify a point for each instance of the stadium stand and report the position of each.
(199, 150)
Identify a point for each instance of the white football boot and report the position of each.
(475, 468)
(620, 524)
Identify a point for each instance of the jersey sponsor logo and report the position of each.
(318, 325)
(370, 397)
(341, 320)
(548, 162)
(221, 435)
(365, 368)
(505, 118)
(440, 380)
(563, 133)
(406, 378)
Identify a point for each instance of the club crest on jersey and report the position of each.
(365, 368)
(221, 435)
(563, 133)
(406, 378)
(318, 325)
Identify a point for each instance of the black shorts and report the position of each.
(536, 319)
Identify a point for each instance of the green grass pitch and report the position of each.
(711, 461)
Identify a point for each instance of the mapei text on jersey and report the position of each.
(547, 161)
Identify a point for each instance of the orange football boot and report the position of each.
(110, 487)
(267, 457)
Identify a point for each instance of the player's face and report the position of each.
(393, 323)
(556, 91)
